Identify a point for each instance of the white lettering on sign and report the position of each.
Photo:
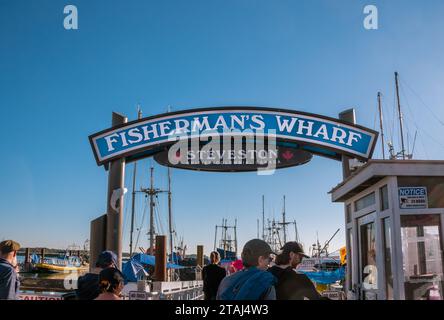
(412, 198)
(39, 297)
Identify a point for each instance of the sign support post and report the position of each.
(116, 180)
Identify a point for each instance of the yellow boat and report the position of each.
(66, 264)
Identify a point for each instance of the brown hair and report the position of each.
(214, 257)
(282, 258)
(110, 279)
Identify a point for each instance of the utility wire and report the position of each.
(422, 101)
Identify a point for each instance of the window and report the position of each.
(388, 258)
(349, 257)
(365, 202)
(348, 213)
(383, 194)
(434, 186)
(422, 256)
(368, 256)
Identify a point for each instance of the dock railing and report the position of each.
(174, 290)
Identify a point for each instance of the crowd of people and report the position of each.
(258, 280)
(262, 275)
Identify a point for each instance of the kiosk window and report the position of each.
(368, 255)
(383, 194)
(348, 213)
(365, 202)
(388, 258)
(422, 256)
(349, 256)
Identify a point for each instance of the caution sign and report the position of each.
(24, 296)
(413, 198)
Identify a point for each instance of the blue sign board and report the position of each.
(314, 133)
(413, 198)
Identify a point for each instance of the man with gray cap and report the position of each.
(9, 282)
(291, 285)
(254, 282)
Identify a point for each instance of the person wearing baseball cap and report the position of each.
(290, 284)
(253, 282)
(88, 285)
(9, 282)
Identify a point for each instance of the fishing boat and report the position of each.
(323, 268)
(227, 247)
(60, 264)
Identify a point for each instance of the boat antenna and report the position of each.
(400, 116)
(381, 125)
(328, 242)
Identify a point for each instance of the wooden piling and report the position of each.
(160, 268)
(200, 256)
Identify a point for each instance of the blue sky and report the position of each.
(58, 86)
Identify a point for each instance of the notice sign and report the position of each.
(413, 198)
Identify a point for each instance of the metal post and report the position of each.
(116, 181)
(160, 268)
(97, 240)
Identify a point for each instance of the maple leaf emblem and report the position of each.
(287, 155)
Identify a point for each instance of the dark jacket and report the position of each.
(248, 284)
(292, 285)
(88, 287)
(9, 282)
(212, 276)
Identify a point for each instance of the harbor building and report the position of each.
(394, 217)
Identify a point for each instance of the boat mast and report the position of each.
(215, 238)
(139, 116)
(263, 217)
(151, 211)
(170, 215)
(283, 223)
(380, 125)
(258, 228)
(235, 237)
(400, 116)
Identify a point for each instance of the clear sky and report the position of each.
(58, 86)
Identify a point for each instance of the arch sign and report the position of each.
(233, 139)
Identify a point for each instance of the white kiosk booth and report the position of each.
(394, 216)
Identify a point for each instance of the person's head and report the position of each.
(107, 259)
(8, 250)
(291, 254)
(214, 257)
(111, 281)
(257, 253)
